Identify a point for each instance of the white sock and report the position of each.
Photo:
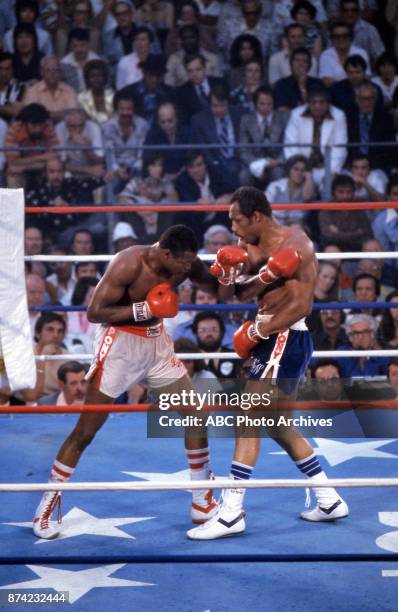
(326, 496)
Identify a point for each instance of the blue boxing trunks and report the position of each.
(283, 356)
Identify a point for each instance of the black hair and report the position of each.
(95, 64)
(322, 363)
(386, 58)
(303, 4)
(149, 158)
(234, 53)
(80, 264)
(185, 345)
(193, 154)
(349, 2)
(294, 159)
(179, 239)
(82, 34)
(48, 317)
(192, 28)
(357, 157)
(393, 182)
(26, 28)
(393, 361)
(365, 275)
(387, 327)
(194, 56)
(71, 367)
(292, 26)
(22, 4)
(355, 61)
(122, 94)
(5, 56)
(81, 288)
(301, 51)
(318, 91)
(190, 3)
(220, 91)
(342, 180)
(263, 89)
(34, 113)
(144, 30)
(251, 199)
(340, 24)
(203, 316)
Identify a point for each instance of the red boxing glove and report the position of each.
(160, 302)
(246, 339)
(283, 264)
(229, 263)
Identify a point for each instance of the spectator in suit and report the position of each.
(219, 125)
(292, 91)
(194, 95)
(72, 386)
(332, 60)
(366, 35)
(176, 73)
(368, 123)
(280, 62)
(317, 123)
(264, 126)
(243, 96)
(168, 130)
(343, 93)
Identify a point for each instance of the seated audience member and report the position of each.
(125, 130)
(215, 237)
(27, 13)
(344, 271)
(80, 331)
(128, 69)
(386, 69)
(149, 92)
(326, 290)
(123, 236)
(283, 13)
(50, 329)
(203, 379)
(79, 55)
(369, 184)
(365, 34)
(209, 329)
(183, 329)
(11, 90)
(381, 270)
(385, 225)
(96, 100)
(244, 49)
(158, 15)
(118, 41)
(249, 19)
(366, 288)
(327, 381)
(79, 15)
(82, 243)
(78, 131)
(392, 375)
(36, 296)
(297, 187)
(33, 242)
(264, 126)
(201, 184)
(187, 13)
(26, 56)
(219, 125)
(176, 73)
(62, 278)
(243, 95)
(280, 63)
(389, 323)
(315, 125)
(152, 186)
(330, 333)
(304, 13)
(291, 91)
(82, 269)
(72, 386)
(369, 124)
(332, 60)
(343, 93)
(193, 96)
(57, 97)
(168, 130)
(345, 228)
(31, 129)
(361, 330)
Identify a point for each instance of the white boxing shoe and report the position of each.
(43, 526)
(222, 525)
(205, 510)
(336, 511)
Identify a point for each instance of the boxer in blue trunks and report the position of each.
(283, 268)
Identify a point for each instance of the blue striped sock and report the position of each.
(240, 471)
(309, 466)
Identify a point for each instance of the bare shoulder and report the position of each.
(299, 240)
(126, 265)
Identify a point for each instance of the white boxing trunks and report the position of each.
(128, 354)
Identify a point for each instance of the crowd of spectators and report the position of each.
(174, 102)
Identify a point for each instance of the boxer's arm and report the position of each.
(201, 278)
(104, 305)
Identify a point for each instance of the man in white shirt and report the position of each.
(280, 64)
(128, 70)
(332, 60)
(366, 35)
(80, 54)
(72, 385)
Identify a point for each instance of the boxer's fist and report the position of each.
(160, 302)
(229, 264)
(283, 264)
(246, 339)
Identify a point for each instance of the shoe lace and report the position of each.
(55, 500)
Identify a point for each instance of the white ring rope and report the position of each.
(177, 485)
(196, 356)
(210, 257)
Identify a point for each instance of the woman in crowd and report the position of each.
(244, 49)
(97, 99)
(389, 323)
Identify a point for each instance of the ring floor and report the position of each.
(117, 524)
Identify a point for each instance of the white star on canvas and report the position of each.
(389, 541)
(339, 452)
(77, 583)
(78, 522)
(182, 475)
